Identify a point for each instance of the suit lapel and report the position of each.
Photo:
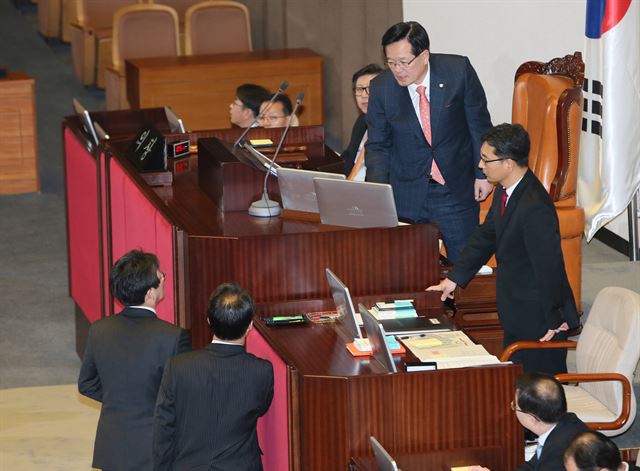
(437, 90)
(407, 109)
(512, 204)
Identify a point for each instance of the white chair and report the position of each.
(607, 353)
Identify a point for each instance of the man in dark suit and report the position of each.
(425, 118)
(533, 295)
(540, 406)
(123, 363)
(210, 400)
(593, 451)
(353, 155)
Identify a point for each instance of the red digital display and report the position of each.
(178, 149)
(181, 147)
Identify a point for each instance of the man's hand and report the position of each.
(551, 332)
(446, 286)
(482, 189)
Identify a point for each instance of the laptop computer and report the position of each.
(87, 123)
(344, 304)
(355, 204)
(383, 458)
(176, 125)
(376, 335)
(297, 189)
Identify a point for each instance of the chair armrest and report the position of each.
(530, 344)
(596, 377)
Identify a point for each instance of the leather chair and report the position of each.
(91, 38)
(49, 13)
(607, 353)
(142, 30)
(547, 102)
(217, 26)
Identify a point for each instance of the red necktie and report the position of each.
(504, 202)
(425, 121)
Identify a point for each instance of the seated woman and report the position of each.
(353, 155)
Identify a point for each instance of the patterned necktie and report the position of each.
(425, 121)
(504, 202)
(538, 447)
(359, 159)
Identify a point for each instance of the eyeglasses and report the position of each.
(239, 104)
(400, 64)
(515, 408)
(272, 118)
(359, 91)
(488, 161)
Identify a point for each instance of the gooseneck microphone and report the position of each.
(283, 86)
(265, 207)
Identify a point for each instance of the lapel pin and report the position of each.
(441, 85)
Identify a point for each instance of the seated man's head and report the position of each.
(277, 115)
(136, 280)
(504, 154)
(246, 104)
(539, 402)
(360, 83)
(592, 451)
(230, 312)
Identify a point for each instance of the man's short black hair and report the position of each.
(592, 451)
(252, 96)
(369, 69)
(542, 396)
(287, 106)
(510, 141)
(132, 276)
(412, 31)
(230, 311)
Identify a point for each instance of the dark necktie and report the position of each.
(504, 203)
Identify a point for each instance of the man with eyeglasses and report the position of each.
(123, 364)
(425, 118)
(534, 299)
(353, 156)
(277, 115)
(540, 406)
(245, 106)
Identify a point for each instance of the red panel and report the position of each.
(83, 228)
(137, 224)
(273, 429)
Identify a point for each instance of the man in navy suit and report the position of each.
(425, 118)
(123, 363)
(210, 400)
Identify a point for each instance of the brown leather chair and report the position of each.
(91, 38)
(142, 30)
(547, 101)
(217, 26)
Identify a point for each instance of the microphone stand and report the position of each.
(265, 207)
(283, 86)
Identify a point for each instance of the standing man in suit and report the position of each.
(591, 451)
(353, 156)
(533, 295)
(540, 406)
(123, 363)
(425, 118)
(210, 400)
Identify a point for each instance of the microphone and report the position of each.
(265, 207)
(283, 86)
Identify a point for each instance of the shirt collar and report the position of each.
(413, 88)
(543, 438)
(224, 342)
(144, 307)
(509, 190)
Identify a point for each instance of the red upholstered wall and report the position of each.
(83, 227)
(275, 444)
(136, 223)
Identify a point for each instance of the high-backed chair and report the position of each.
(91, 38)
(142, 30)
(49, 13)
(217, 26)
(547, 102)
(607, 353)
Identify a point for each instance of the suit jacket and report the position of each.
(122, 368)
(532, 289)
(351, 152)
(208, 406)
(552, 455)
(397, 151)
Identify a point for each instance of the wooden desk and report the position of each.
(200, 88)
(18, 139)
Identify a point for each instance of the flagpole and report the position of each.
(632, 214)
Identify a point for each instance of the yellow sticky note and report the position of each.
(261, 142)
(461, 468)
(426, 343)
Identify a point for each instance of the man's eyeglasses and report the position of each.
(360, 91)
(400, 64)
(272, 118)
(488, 161)
(515, 408)
(239, 104)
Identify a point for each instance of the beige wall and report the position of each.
(346, 33)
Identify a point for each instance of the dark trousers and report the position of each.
(552, 361)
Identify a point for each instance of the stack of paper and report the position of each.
(394, 310)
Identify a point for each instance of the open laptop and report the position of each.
(102, 134)
(383, 458)
(176, 125)
(297, 189)
(355, 204)
(404, 326)
(87, 123)
(376, 335)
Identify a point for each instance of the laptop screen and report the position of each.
(297, 189)
(344, 303)
(376, 335)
